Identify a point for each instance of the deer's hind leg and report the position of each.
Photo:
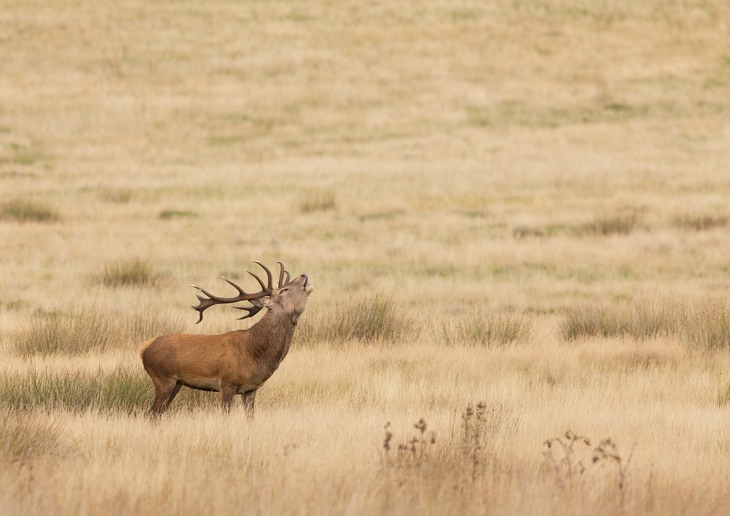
(248, 402)
(165, 392)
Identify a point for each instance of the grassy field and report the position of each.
(515, 215)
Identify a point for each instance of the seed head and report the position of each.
(420, 426)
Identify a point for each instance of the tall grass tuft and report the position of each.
(140, 327)
(707, 327)
(703, 326)
(366, 320)
(115, 195)
(26, 211)
(73, 333)
(637, 320)
(120, 390)
(610, 224)
(317, 201)
(129, 273)
(487, 329)
(87, 330)
(700, 221)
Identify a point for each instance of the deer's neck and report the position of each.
(270, 339)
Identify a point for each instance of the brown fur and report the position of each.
(237, 362)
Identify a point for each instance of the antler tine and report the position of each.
(242, 296)
(252, 310)
(281, 274)
(268, 275)
(263, 287)
(240, 290)
(212, 300)
(204, 303)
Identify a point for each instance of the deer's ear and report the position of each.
(262, 302)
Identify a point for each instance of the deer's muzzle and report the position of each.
(307, 286)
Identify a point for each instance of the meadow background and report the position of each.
(515, 215)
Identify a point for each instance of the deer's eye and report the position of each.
(284, 290)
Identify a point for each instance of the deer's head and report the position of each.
(288, 298)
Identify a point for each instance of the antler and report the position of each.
(266, 290)
(282, 272)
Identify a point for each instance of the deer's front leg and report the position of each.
(227, 394)
(248, 399)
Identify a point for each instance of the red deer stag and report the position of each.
(237, 362)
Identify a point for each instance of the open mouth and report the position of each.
(307, 286)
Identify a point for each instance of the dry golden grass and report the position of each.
(514, 215)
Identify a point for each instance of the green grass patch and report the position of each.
(25, 155)
(382, 215)
(19, 210)
(123, 390)
(129, 273)
(177, 214)
(485, 329)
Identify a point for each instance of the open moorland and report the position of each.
(515, 215)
